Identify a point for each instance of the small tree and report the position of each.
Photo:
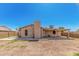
(77, 30)
(51, 26)
(61, 28)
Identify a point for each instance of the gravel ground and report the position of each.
(39, 48)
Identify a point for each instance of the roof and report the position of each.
(4, 28)
(26, 26)
(49, 29)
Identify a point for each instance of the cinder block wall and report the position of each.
(7, 33)
(71, 34)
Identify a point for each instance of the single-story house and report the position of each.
(36, 31)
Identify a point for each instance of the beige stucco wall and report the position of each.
(33, 31)
(42, 33)
(58, 33)
(49, 33)
(29, 31)
(46, 33)
(37, 32)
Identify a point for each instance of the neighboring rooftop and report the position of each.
(4, 28)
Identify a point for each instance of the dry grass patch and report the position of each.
(76, 54)
(14, 41)
(20, 46)
(11, 47)
(2, 47)
(10, 44)
(45, 47)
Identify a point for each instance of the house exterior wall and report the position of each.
(42, 33)
(29, 31)
(46, 33)
(50, 33)
(59, 33)
(37, 32)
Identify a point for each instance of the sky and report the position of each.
(15, 15)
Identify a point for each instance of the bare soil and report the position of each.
(39, 48)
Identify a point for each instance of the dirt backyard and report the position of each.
(39, 48)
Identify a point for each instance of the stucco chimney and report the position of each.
(37, 29)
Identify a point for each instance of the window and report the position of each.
(54, 32)
(26, 32)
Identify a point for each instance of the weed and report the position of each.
(22, 46)
(76, 54)
(2, 47)
(12, 41)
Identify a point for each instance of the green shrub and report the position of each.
(76, 54)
